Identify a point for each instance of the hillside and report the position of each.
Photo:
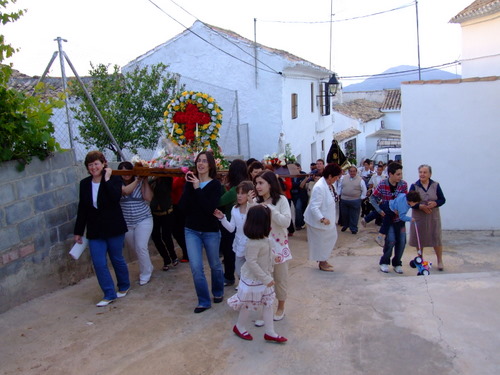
(393, 81)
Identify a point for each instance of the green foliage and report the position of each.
(132, 105)
(6, 50)
(25, 127)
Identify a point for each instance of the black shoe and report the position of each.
(354, 231)
(228, 283)
(200, 309)
(218, 299)
(343, 229)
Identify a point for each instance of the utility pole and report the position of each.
(65, 86)
(418, 42)
(331, 27)
(62, 57)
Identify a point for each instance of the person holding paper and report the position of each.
(100, 213)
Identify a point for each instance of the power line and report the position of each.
(208, 42)
(402, 72)
(223, 36)
(344, 19)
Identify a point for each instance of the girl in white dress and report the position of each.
(256, 289)
(269, 194)
(244, 199)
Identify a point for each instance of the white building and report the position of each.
(454, 125)
(269, 97)
(366, 121)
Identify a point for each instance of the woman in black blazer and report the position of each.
(100, 213)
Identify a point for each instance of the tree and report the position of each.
(25, 127)
(132, 105)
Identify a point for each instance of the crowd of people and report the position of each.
(243, 222)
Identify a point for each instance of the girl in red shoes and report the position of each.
(255, 289)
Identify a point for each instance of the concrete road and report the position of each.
(355, 320)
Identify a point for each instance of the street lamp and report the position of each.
(330, 89)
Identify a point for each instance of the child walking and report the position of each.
(398, 206)
(244, 198)
(256, 284)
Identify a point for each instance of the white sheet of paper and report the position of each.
(78, 248)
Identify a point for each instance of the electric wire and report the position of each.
(210, 43)
(401, 72)
(344, 19)
(222, 35)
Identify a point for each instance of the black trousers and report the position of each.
(162, 237)
(226, 249)
(178, 230)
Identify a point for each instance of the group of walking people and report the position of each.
(246, 219)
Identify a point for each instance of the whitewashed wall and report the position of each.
(480, 47)
(310, 130)
(455, 129)
(262, 100)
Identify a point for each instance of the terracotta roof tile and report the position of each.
(360, 109)
(452, 81)
(392, 101)
(478, 8)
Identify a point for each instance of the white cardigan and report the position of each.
(321, 205)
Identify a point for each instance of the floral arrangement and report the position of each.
(280, 160)
(193, 118)
(275, 160)
(289, 157)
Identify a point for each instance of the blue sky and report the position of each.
(117, 31)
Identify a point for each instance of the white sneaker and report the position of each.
(122, 294)
(363, 222)
(259, 323)
(380, 240)
(384, 268)
(104, 302)
(398, 269)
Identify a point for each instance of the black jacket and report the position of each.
(106, 220)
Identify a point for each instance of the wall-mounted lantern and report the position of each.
(330, 89)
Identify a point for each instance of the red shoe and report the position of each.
(245, 335)
(184, 260)
(278, 339)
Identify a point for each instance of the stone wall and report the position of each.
(37, 211)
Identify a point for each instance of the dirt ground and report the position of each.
(355, 320)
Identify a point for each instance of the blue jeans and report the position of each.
(350, 211)
(113, 247)
(195, 241)
(395, 239)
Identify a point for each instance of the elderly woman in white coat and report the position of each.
(320, 216)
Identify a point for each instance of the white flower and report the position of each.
(135, 159)
(200, 100)
(210, 106)
(214, 113)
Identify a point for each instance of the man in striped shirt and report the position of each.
(387, 190)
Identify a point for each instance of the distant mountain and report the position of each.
(393, 81)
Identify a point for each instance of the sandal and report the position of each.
(165, 268)
(175, 263)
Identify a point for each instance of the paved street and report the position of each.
(356, 320)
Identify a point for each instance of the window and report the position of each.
(295, 104)
(322, 100)
(312, 97)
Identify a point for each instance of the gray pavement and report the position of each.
(355, 320)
